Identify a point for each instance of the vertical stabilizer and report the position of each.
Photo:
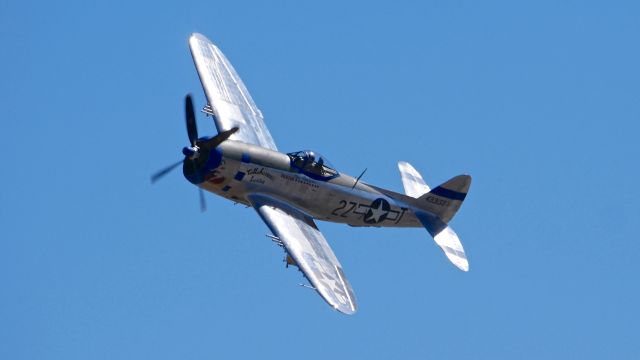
(445, 200)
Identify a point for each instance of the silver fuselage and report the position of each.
(248, 169)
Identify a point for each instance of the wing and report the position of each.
(309, 249)
(227, 96)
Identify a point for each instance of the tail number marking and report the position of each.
(437, 201)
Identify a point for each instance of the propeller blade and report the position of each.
(218, 139)
(190, 117)
(203, 203)
(155, 177)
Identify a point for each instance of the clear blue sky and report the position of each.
(539, 101)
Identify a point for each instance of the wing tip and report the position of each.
(346, 312)
(347, 307)
(196, 37)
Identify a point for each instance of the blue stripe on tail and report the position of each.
(449, 194)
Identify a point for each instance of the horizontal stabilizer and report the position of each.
(446, 239)
(412, 181)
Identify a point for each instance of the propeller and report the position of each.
(190, 117)
(158, 175)
(203, 203)
(197, 146)
(216, 140)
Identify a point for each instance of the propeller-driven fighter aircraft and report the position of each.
(291, 190)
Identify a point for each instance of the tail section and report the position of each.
(445, 200)
(436, 208)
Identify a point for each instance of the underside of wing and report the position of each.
(308, 248)
(229, 100)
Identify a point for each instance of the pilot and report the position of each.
(316, 166)
(299, 162)
(311, 157)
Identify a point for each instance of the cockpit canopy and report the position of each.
(313, 165)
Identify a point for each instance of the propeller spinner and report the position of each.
(198, 146)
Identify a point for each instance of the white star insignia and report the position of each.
(377, 213)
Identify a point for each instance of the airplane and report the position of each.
(289, 191)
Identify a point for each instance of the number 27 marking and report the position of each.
(343, 205)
